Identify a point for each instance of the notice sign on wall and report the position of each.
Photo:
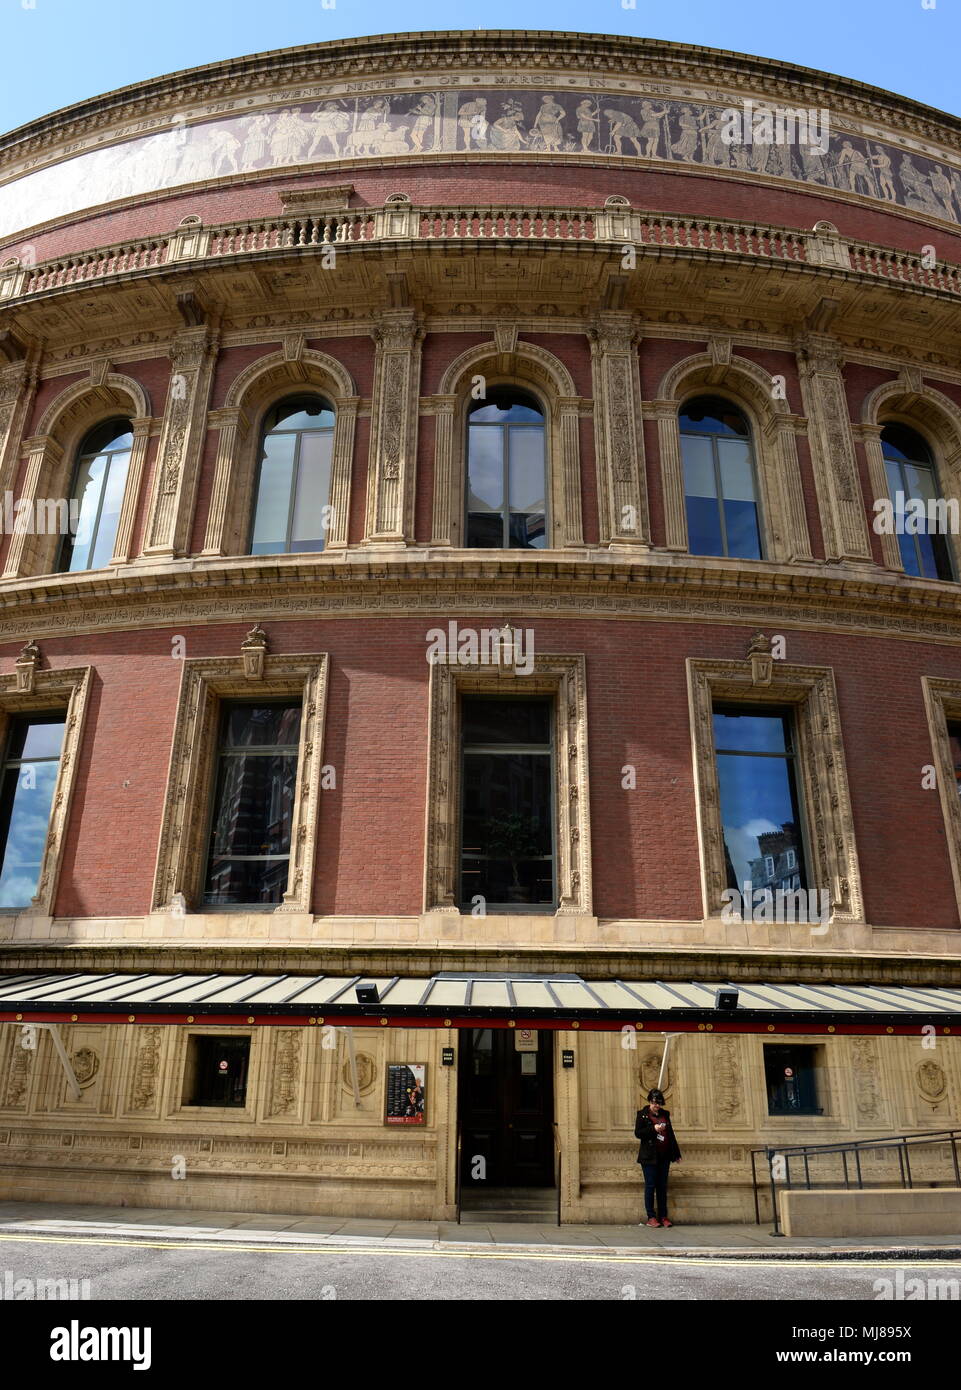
(405, 1093)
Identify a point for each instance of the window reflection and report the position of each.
(912, 474)
(506, 473)
(96, 497)
(249, 854)
(719, 482)
(291, 512)
(760, 814)
(507, 829)
(26, 795)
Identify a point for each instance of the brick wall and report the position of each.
(370, 849)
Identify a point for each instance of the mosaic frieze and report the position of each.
(481, 120)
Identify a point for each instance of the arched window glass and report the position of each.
(293, 482)
(912, 477)
(506, 472)
(96, 497)
(719, 481)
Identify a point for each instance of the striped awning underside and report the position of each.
(464, 999)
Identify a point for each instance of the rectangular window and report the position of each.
(507, 823)
(30, 772)
(248, 861)
(790, 1075)
(760, 808)
(216, 1070)
(954, 739)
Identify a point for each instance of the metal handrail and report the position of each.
(558, 1166)
(897, 1143)
(457, 1162)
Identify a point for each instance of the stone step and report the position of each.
(493, 1216)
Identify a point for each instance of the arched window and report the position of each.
(720, 486)
(912, 477)
(291, 512)
(506, 472)
(96, 497)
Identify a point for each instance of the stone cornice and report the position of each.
(543, 52)
(656, 963)
(657, 586)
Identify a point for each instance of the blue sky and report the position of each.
(59, 51)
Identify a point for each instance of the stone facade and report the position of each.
(384, 222)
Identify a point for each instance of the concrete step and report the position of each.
(493, 1217)
(538, 1204)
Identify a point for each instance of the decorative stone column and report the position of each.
(622, 483)
(843, 521)
(672, 473)
(568, 527)
(393, 436)
(43, 456)
(870, 437)
(193, 357)
(233, 425)
(795, 539)
(142, 427)
(444, 525)
(17, 386)
(341, 471)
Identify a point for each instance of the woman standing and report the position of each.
(657, 1152)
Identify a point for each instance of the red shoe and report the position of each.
(652, 1221)
(665, 1222)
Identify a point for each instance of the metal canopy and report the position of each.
(453, 999)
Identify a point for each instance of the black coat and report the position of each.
(644, 1130)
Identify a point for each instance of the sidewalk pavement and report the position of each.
(150, 1224)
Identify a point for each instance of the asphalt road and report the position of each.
(172, 1270)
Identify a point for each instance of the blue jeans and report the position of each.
(655, 1184)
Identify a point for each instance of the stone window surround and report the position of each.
(507, 362)
(909, 401)
(942, 702)
(720, 372)
(187, 807)
(563, 677)
(293, 371)
(63, 690)
(52, 453)
(825, 799)
(176, 1071)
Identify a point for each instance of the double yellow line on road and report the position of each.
(570, 1255)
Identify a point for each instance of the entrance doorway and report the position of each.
(506, 1107)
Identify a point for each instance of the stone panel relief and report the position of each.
(728, 1082)
(866, 1074)
(479, 119)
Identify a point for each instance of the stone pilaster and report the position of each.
(233, 425)
(622, 483)
(843, 521)
(44, 455)
(341, 471)
(870, 436)
(393, 436)
(17, 386)
(123, 542)
(672, 473)
(193, 357)
(792, 522)
(444, 525)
